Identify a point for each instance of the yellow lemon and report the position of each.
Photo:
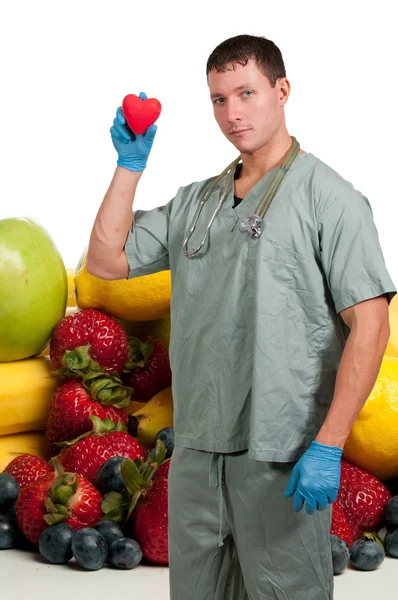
(71, 287)
(144, 298)
(373, 440)
(392, 346)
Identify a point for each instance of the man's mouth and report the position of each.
(238, 131)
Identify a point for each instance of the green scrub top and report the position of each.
(256, 338)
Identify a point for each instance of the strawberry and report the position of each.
(339, 524)
(85, 455)
(27, 468)
(147, 368)
(151, 519)
(362, 498)
(145, 500)
(86, 340)
(71, 406)
(56, 497)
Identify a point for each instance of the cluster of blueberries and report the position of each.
(91, 547)
(10, 536)
(367, 554)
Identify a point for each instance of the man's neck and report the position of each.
(269, 156)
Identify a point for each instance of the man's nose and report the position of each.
(233, 111)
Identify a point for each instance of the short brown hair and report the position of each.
(241, 48)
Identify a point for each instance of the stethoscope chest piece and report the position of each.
(252, 225)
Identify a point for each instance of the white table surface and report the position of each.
(25, 575)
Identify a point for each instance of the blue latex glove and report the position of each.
(132, 153)
(315, 478)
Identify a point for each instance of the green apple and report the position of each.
(33, 288)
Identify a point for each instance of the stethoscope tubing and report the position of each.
(252, 224)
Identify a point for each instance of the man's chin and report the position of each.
(245, 148)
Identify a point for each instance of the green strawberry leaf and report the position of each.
(116, 514)
(78, 362)
(99, 428)
(62, 494)
(115, 507)
(133, 502)
(131, 476)
(107, 388)
(138, 353)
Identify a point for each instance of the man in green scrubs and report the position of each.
(267, 338)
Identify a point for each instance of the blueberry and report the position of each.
(366, 555)
(89, 548)
(11, 512)
(110, 530)
(9, 533)
(9, 490)
(391, 542)
(55, 543)
(340, 554)
(109, 477)
(124, 553)
(391, 511)
(166, 435)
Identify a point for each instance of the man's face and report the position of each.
(255, 107)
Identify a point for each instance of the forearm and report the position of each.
(114, 219)
(357, 373)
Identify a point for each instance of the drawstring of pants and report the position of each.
(215, 480)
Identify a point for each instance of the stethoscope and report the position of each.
(252, 225)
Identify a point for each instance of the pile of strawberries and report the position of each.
(87, 425)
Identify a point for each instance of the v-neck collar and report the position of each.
(251, 200)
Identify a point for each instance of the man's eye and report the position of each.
(217, 100)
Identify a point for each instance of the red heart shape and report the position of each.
(140, 114)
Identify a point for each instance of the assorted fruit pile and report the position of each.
(86, 419)
(106, 467)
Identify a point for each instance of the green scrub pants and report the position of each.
(234, 536)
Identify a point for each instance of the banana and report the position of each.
(134, 406)
(26, 389)
(156, 414)
(33, 442)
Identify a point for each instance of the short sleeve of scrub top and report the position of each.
(351, 255)
(147, 246)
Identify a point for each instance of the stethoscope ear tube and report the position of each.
(273, 188)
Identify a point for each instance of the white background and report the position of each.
(66, 67)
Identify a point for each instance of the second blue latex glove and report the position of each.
(315, 478)
(133, 152)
